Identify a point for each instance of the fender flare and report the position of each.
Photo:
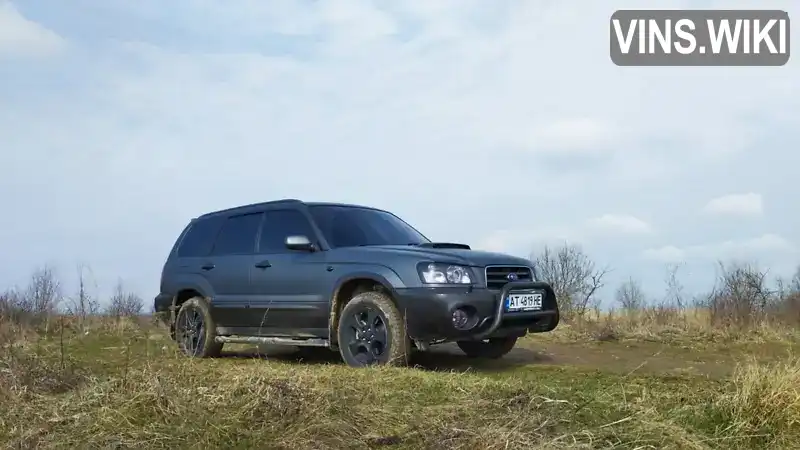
(389, 280)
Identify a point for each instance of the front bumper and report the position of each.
(429, 311)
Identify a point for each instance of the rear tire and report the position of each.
(372, 331)
(493, 348)
(195, 330)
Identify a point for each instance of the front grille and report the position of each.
(497, 276)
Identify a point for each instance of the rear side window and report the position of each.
(238, 235)
(279, 224)
(199, 238)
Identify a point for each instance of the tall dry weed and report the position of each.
(763, 406)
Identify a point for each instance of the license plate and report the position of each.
(524, 302)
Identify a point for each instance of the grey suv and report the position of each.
(349, 278)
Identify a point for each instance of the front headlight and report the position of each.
(436, 273)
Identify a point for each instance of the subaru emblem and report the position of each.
(512, 276)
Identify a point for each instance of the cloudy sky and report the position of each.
(500, 124)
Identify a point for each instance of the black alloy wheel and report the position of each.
(191, 331)
(368, 338)
(371, 331)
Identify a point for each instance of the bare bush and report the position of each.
(124, 303)
(786, 303)
(630, 296)
(740, 296)
(83, 303)
(36, 302)
(573, 276)
(44, 292)
(674, 294)
(12, 306)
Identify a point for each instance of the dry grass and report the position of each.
(120, 384)
(691, 326)
(764, 404)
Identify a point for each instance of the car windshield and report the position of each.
(347, 226)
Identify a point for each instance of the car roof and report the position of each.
(254, 207)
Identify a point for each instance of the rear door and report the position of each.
(227, 268)
(182, 268)
(290, 287)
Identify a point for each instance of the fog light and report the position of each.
(460, 319)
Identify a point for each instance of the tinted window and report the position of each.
(346, 226)
(281, 223)
(238, 235)
(199, 238)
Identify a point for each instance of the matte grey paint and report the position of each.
(290, 294)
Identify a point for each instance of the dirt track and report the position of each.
(618, 357)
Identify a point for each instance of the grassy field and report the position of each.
(616, 383)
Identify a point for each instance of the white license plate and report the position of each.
(524, 302)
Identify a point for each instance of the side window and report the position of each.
(279, 224)
(199, 238)
(238, 235)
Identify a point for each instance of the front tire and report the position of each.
(372, 331)
(493, 348)
(195, 330)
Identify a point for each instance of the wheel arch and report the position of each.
(348, 287)
(186, 289)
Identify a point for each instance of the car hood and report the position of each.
(476, 258)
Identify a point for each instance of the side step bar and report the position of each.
(273, 341)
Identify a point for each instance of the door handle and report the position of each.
(207, 266)
(263, 264)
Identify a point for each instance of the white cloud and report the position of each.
(522, 242)
(577, 135)
(500, 241)
(525, 239)
(767, 245)
(749, 204)
(22, 37)
(668, 253)
(620, 224)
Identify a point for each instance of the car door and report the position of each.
(290, 288)
(227, 268)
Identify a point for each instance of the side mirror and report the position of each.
(300, 243)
